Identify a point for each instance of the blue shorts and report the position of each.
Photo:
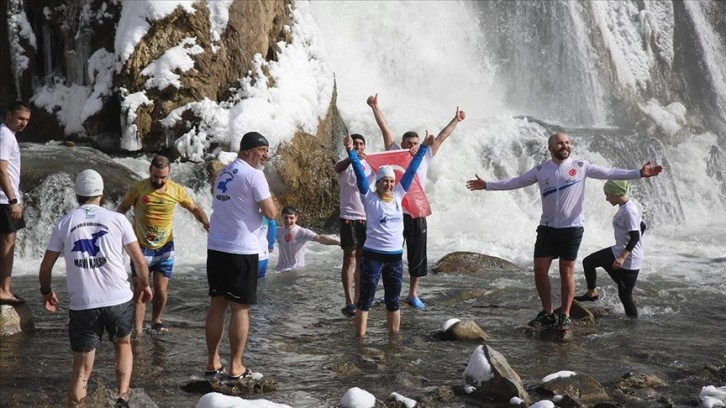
(373, 266)
(159, 260)
(85, 328)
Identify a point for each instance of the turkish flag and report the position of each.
(415, 201)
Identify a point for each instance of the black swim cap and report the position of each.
(251, 140)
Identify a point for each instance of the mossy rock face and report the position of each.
(472, 263)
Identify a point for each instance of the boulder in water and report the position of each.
(15, 319)
(471, 263)
(464, 330)
(501, 384)
(580, 387)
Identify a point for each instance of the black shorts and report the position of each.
(233, 276)
(8, 224)
(352, 233)
(85, 328)
(558, 242)
(414, 233)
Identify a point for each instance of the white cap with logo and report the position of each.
(89, 183)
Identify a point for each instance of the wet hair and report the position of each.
(160, 162)
(356, 136)
(18, 106)
(408, 135)
(289, 210)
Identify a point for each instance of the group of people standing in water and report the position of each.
(375, 225)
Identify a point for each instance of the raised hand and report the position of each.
(649, 171)
(372, 101)
(348, 142)
(476, 184)
(460, 115)
(429, 140)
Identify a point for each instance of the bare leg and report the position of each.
(542, 282)
(394, 322)
(213, 329)
(124, 366)
(139, 309)
(347, 274)
(361, 323)
(567, 284)
(413, 287)
(7, 252)
(239, 329)
(161, 284)
(82, 367)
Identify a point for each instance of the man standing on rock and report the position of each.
(154, 200)
(241, 198)
(414, 229)
(561, 182)
(16, 119)
(92, 240)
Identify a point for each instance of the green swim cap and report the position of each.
(616, 187)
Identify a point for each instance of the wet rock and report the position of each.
(640, 385)
(471, 263)
(138, 398)
(239, 388)
(40, 162)
(580, 387)
(437, 394)
(466, 330)
(504, 382)
(15, 319)
(579, 314)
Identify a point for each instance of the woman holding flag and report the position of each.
(383, 248)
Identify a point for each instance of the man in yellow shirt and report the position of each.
(154, 200)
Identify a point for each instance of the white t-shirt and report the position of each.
(563, 188)
(234, 226)
(92, 240)
(384, 228)
(10, 152)
(351, 207)
(291, 247)
(625, 220)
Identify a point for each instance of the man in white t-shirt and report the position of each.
(352, 223)
(291, 240)
(241, 198)
(16, 119)
(414, 229)
(92, 240)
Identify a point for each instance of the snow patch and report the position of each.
(478, 367)
(161, 71)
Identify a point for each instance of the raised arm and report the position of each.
(410, 172)
(446, 132)
(649, 171)
(360, 175)
(385, 131)
(271, 234)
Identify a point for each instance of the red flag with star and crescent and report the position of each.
(415, 201)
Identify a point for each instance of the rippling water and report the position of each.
(300, 339)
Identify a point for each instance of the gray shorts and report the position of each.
(85, 328)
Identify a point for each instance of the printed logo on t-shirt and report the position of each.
(573, 172)
(145, 199)
(89, 246)
(222, 185)
(288, 237)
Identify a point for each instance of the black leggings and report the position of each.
(625, 278)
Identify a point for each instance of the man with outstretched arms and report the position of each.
(92, 240)
(561, 181)
(352, 223)
(154, 200)
(415, 229)
(16, 119)
(241, 197)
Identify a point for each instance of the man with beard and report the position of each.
(16, 119)
(154, 200)
(562, 185)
